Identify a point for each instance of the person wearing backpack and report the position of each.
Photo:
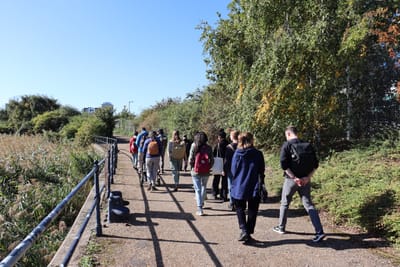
(152, 148)
(141, 138)
(299, 162)
(200, 159)
(133, 149)
(176, 152)
(248, 167)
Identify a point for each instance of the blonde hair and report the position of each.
(245, 140)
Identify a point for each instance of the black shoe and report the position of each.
(158, 182)
(243, 236)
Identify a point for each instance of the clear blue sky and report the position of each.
(86, 52)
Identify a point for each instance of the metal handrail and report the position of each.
(16, 254)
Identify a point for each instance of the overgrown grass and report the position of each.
(359, 187)
(35, 175)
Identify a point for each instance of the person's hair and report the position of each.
(200, 139)
(222, 135)
(161, 131)
(143, 128)
(153, 134)
(291, 129)
(235, 134)
(135, 133)
(176, 136)
(246, 140)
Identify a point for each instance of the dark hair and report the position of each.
(161, 131)
(135, 133)
(200, 139)
(222, 135)
(292, 129)
(153, 134)
(176, 136)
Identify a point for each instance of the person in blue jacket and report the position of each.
(247, 169)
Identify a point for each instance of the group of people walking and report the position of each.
(242, 176)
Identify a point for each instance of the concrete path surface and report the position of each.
(164, 230)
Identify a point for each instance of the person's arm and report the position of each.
(191, 156)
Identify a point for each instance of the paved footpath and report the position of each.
(163, 230)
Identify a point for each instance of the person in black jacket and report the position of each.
(297, 179)
(219, 151)
(230, 149)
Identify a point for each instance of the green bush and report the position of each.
(36, 174)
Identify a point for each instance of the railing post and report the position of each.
(112, 164)
(97, 198)
(109, 173)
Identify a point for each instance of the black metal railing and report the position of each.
(111, 158)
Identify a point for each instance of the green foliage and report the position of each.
(360, 187)
(89, 128)
(20, 112)
(69, 131)
(106, 116)
(36, 175)
(49, 121)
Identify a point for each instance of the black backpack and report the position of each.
(303, 158)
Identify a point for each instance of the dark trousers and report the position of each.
(223, 193)
(249, 224)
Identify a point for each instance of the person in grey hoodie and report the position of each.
(247, 169)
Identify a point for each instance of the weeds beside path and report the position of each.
(163, 230)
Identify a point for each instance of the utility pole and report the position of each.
(129, 105)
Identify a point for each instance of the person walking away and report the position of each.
(247, 169)
(230, 149)
(152, 148)
(188, 144)
(133, 149)
(141, 138)
(176, 152)
(200, 159)
(164, 141)
(219, 150)
(299, 162)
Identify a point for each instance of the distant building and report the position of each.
(92, 110)
(88, 110)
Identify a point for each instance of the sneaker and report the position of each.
(199, 212)
(243, 236)
(158, 182)
(278, 229)
(149, 187)
(153, 188)
(318, 237)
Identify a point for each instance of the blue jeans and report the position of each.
(200, 188)
(229, 177)
(289, 189)
(176, 165)
(135, 159)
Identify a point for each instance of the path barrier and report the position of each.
(111, 159)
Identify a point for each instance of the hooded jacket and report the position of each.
(247, 166)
